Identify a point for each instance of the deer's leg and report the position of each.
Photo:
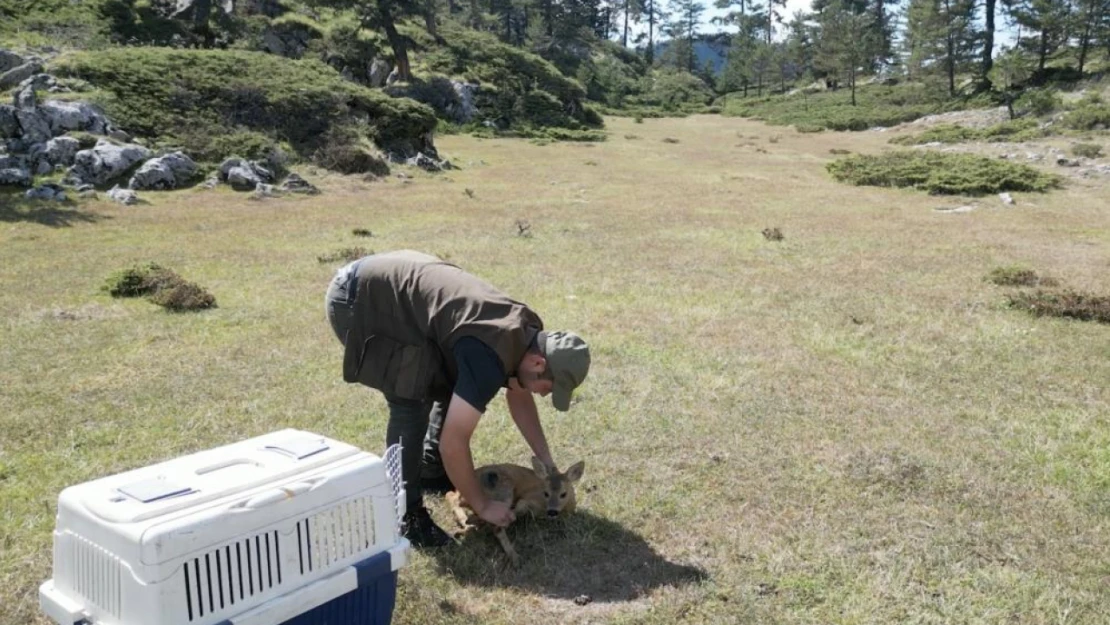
(503, 538)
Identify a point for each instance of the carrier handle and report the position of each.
(277, 495)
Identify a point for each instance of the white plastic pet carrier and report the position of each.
(290, 527)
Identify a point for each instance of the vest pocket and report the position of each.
(396, 368)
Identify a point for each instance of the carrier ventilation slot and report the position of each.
(230, 574)
(335, 534)
(93, 573)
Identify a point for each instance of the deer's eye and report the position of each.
(563, 496)
(546, 494)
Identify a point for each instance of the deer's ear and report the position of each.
(574, 473)
(539, 467)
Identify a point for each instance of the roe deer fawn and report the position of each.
(541, 490)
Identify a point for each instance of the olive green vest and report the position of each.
(411, 308)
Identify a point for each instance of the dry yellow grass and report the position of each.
(844, 426)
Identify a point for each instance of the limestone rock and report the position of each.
(106, 161)
(166, 172)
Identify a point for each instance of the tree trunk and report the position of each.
(951, 62)
(852, 83)
(396, 41)
(649, 53)
(988, 37)
(1084, 43)
(1043, 52)
(549, 17)
(624, 37)
(430, 18)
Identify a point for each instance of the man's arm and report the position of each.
(454, 446)
(522, 407)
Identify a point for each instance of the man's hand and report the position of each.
(497, 512)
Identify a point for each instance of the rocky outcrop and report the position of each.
(171, 171)
(296, 184)
(106, 161)
(127, 197)
(244, 175)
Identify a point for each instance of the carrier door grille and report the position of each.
(231, 574)
(335, 534)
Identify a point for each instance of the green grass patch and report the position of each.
(219, 102)
(941, 173)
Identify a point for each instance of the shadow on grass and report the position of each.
(56, 215)
(582, 554)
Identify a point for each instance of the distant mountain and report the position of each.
(706, 51)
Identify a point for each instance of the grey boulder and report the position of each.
(9, 59)
(244, 175)
(61, 150)
(15, 176)
(106, 161)
(47, 191)
(9, 125)
(127, 197)
(295, 184)
(63, 117)
(165, 172)
(16, 75)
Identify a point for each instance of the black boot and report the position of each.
(418, 526)
(438, 484)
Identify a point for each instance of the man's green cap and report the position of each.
(568, 362)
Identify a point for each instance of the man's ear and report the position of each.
(536, 362)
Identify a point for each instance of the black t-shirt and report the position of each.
(480, 373)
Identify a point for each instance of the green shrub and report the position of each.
(163, 286)
(1012, 130)
(1038, 102)
(139, 280)
(673, 90)
(1088, 116)
(183, 296)
(1018, 276)
(1088, 150)
(217, 93)
(1069, 304)
(941, 173)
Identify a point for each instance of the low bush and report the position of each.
(161, 285)
(139, 280)
(1069, 304)
(941, 173)
(182, 297)
(1091, 114)
(1018, 276)
(1087, 150)
(1013, 130)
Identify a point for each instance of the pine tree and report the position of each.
(847, 41)
(1049, 20)
(683, 31)
(939, 33)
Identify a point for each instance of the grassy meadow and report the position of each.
(845, 426)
